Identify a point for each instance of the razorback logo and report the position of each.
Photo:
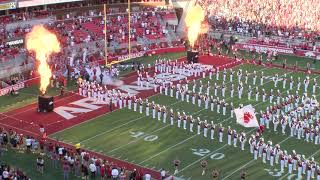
(247, 117)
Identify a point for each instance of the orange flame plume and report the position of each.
(193, 22)
(43, 43)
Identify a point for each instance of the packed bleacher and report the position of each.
(81, 35)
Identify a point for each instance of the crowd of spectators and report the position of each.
(90, 27)
(79, 30)
(262, 34)
(257, 29)
(52, 155)
(8, 171)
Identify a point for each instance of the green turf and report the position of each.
(113, 133)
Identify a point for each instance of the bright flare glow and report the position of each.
(43, 43)
(193, 21)
(304, 14)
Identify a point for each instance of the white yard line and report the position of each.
(284, 176)
(253, 159)
(315, 153)
(137, 139)
(191, 164)
(110, 113)
(191, 136)
(250, 162)
(89, 120)
(181, 142)
(117, 127)
(177, 143)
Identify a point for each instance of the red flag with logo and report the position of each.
(246, 116)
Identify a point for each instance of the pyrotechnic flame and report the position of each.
(193, 21)
(43, 43)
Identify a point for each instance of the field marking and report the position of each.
(191, 136)
(284, 176)
(196, 134)
(137, 139)
(104, 132)
(155, 155)
(174, 144)
(186, 167)
(231, 97)
(209, 154)
(156, 94)
(279, 143)
(234, 80)
(89, 120)
(284, 140)
(226, 144)
(109, 113)
(178, 143)
(266, 82)
(253, 105)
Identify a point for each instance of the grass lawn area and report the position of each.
(142, 140)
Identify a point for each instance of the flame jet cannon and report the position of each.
(43, 43)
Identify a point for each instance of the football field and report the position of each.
(140, 139)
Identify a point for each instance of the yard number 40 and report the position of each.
(146, 137)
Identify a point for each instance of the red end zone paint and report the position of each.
(26, 120)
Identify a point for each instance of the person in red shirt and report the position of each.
(108, 171)
(102, 172)
(139, 175)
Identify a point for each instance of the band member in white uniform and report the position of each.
(221, 129)
(213, 126)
